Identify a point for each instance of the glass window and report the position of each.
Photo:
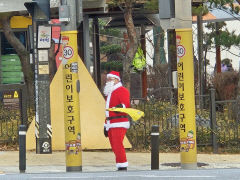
(6, 48)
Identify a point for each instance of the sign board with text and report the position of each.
(44, 37)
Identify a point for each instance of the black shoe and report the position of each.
(122, 169)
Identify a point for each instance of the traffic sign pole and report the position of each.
(186, 99)
(71, 88)
(71, 103)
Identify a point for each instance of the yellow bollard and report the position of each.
(71, 88)
(186, 99)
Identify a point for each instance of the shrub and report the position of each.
(112, 65)
(225, 84)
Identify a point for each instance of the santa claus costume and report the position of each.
(117, 123)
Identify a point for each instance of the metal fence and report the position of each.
(13, 112)
(217, 122)
(160, 110)
(9, 122)
(226, 125)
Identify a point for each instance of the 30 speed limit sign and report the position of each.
(180, 51)
(68, 52)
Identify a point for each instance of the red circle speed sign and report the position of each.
(180, 51)
(68, 52)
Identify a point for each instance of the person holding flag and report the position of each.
(116, 123)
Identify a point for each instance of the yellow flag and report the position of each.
(135, 114)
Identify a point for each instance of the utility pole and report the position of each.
(71, 86)
(177, 14)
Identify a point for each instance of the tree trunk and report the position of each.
(218, 51)
(22, 53)
(133, 43)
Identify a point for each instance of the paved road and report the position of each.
(100, 165)
(206, 174)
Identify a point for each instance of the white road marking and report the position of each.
(146, 176)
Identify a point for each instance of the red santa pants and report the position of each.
(116, 136)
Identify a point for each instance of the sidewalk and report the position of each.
(104, 161)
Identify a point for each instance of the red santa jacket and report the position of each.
(119, 95)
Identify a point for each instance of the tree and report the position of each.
(127, 7)
(133, 42)
(226, 5)
(111, 47)
(220, 37)
(20, 49)
(23, 53)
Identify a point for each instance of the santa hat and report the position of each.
(114, 74)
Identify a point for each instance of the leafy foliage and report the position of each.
(222, 37)
(224, 5)
(109, 45)
(112, 65)
(108, 31)
(110, 49)
(202, 9)
(151, 5)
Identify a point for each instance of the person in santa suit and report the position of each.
(116, 123)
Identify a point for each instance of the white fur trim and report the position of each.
(120, 124)
(117, 125)
(108, 125)
(117, 86)
(113, 76)
(107, 104)
(109, 97)
(119, 165)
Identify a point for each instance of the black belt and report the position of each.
(116, 117)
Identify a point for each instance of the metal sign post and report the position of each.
(40, 11)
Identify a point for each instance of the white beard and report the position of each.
(108, 88)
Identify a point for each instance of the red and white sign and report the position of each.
(65, 40)
(181, 51)
(68, 52)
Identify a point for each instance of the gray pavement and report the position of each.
(201, 174)
(104, 162)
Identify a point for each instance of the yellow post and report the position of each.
(186, 99)
(71, 88)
